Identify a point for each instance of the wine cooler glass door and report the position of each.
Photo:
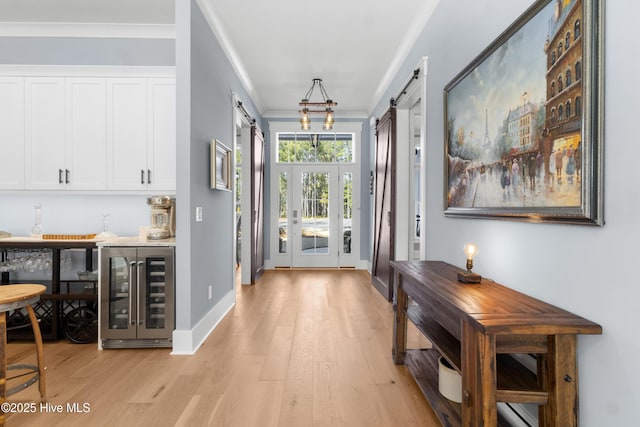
(156, 293)
(119, 301)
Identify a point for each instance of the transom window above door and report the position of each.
(310, 147)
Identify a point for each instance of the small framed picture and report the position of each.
(220, 166)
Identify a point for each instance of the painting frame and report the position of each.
(565, 123)
(220, 166)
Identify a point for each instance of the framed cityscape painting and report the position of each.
(524, 120)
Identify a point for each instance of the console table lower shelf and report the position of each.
(423, 366)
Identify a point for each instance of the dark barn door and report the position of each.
(257, 203)
(384, 217)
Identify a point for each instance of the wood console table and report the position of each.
(478, 328)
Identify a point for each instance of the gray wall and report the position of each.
(206, 82)
(86, 51)
(586, 270)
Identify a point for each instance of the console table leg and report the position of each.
(479, 381)
(400, 322)
(560, 379)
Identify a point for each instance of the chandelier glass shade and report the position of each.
(310, 107)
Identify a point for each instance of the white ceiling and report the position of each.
(278, 46)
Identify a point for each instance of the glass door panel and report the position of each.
(156, 287)
(314, 238)
(314, 216)
(156, 301)
(118, 294)
(282, 212)
(347, 211)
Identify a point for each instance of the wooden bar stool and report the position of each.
(13, 297)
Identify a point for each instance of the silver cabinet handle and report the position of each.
(60, 176)
(148, 176)
(141, 176)
(66, 176)
(140, 263)
(132, 264)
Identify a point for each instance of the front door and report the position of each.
(315, 216)
(314, 193)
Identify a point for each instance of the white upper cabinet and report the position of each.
(12, 133)
(65, 133)
(127, 133)
(88, 129)
(141, 136)
(86, 133)
(45, 133)
(161, 160)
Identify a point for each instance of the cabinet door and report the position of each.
(156, 293)
(162, 134)
(118, 293)
(127, 133)
(12, 133)
(87, 133)
(45, 133)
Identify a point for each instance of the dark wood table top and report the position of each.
(490, 306)
(18, 242)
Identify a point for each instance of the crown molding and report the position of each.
(218, 31)
(87, 30)
(413, 32)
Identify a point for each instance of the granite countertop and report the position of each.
(136, 241)
(24, 241)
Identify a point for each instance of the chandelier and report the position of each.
(323, 107)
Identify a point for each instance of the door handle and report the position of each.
(60, 176)
(141, 176)
(132, 264)
(140, 263)
(66, 176)
(148, 176)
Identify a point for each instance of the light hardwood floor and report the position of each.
(300, 348)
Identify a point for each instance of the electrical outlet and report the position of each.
(210, 291)
(199, 214)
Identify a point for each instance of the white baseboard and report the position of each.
(359, 265)
(187, 342)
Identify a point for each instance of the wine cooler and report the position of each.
(136, 296)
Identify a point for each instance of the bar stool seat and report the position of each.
(13, 297)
